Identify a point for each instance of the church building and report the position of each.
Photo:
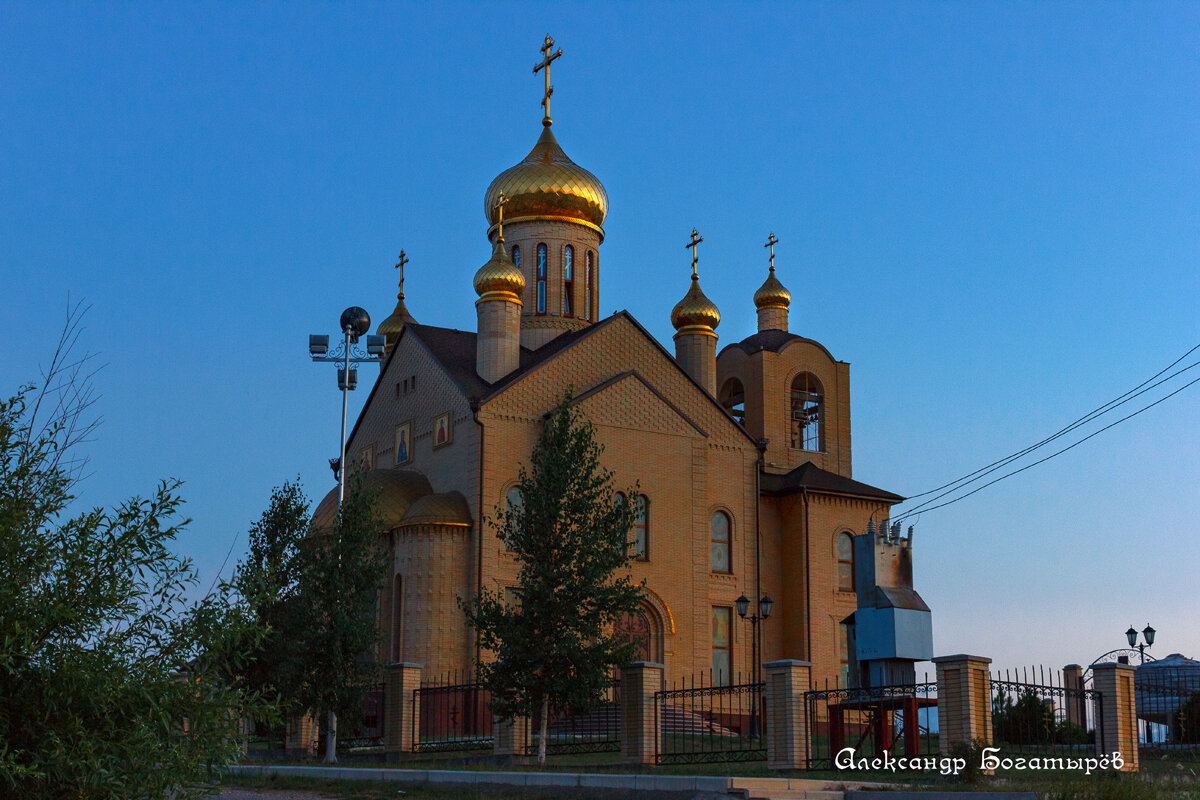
(743, 456)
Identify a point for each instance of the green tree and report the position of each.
(556, 649)
(331, 663)
(111, 681)
(268, 584)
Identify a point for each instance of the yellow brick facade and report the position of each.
(666, 425)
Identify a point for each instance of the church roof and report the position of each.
(455, 351)
(773, 340)
(811, 477)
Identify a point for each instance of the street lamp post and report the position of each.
(765, 604)
(1147, 633)
(354, 323)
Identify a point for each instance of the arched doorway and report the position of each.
(640, 628)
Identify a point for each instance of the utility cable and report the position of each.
(1097, 412)
(1057, 453)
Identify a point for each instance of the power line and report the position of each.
(971, 477)
(1057, 453)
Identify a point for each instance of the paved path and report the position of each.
(230, 793)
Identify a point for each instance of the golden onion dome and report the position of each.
(547, 184)
(772, 293)
(391, 326)
(499, 274)
(695, 310)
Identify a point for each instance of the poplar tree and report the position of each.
(340, 572)
(555, 648)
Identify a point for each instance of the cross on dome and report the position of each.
(400, 266)
(771, 242)
(501, 201)
(693, 244)
(547, 57)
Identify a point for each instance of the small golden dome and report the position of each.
(548, 184)
(398, 489)
(772, 293)
(391, 326)
(695, 310)
(499, 274)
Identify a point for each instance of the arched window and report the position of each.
(569, 281)
(514, 500)
(397, 619)
(845, 561)
(516, 255)
(588, 312)
(719, 551)
(733, 398)
(541, 279)
(641, 527)
(514, 504)
(808, 413)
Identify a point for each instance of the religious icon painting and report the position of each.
(403, 446)
(366, 458)
(441, 430)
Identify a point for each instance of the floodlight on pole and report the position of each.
(355, 321)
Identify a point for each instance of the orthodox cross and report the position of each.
(771, 242)
(501, 201)
(400, 266)
(696, 240)
(547, 57)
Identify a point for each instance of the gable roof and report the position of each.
(454, 350)
(811, 477)
(773, 340)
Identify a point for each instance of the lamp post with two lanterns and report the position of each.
(765, 604)
(1147, 633)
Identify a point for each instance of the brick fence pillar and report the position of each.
(1116, 721)
(509, 737)
(964, 701)
(786, 725)
(402, 709)
(300, 737)
(1073, 683)
(639, 681)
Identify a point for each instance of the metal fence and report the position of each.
(597, 730)
(366, 734)
(1034, 714)
(695, 722)
(900, 719)
(1168, 711)
(452, 714)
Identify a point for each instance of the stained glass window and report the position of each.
(720, 542)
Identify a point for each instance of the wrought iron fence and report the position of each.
(367, 733)
(1168, 711)
(1033, 715)
(900, 719)
(695, 722)
(452, 714)
(597, 730)
(264, 740)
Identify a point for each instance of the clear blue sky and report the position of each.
(989, 209)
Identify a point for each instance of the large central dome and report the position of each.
(548, 184)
